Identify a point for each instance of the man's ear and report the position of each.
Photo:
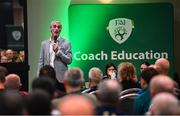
(143, 83)
(152, 92)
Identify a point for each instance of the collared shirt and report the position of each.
(52, 53)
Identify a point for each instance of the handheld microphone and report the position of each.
(55, 39)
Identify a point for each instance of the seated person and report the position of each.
(127, 76)
(95, 76)
(110, 71)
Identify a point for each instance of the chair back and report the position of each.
(126, 103)
(131, 90)
(86, 90)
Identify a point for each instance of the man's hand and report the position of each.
(55, 47)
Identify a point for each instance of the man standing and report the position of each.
(56, 52)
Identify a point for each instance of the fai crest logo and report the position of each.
(16, 35)
(120, 29)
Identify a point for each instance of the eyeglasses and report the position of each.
(56, 26)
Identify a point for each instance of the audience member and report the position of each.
(163, 64)
(73, 80)
(110, 71)
(3, 73)
(10, 55)
(127, 76)
(39, 102)
(76, 105)
(164, 104)
(155, 67)
(144, 65)
(46, 84)
(21, 56)
(13, 83)
(108, 96)
(95, 76)
(4, 59)
(161, 83)
(49, 72)
(11, 103)
(3, 52)
(141, 103)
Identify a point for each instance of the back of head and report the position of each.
(3, 73)
(12, 81)
(108, 92)
(76, 105)
(126, 71)
(156, 67)
(11, 103)
(39, 103)
(47, 71)
(95, 75)
(46, 84)
(164, 104)
(148, 74)
(73, 77)
(161, 83)
(163, 64)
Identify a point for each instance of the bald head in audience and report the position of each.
(164, 104)
(76, 105)
(161, 83)
(12, 81)
(163, 64)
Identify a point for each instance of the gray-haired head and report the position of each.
(109, 92)
(56, 21)
(74, 77)
(95, 76)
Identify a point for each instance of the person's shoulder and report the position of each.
(64, 40)
(45, 42)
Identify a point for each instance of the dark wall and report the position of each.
(6, 14)
(176, 4)
(7, 18)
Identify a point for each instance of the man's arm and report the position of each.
(64, 53)
(41, 59)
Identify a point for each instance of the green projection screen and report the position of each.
(102, 33)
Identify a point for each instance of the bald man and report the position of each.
(161, 83)
(163, 64)
(76, 105)
(164, 104)
(12, 81)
